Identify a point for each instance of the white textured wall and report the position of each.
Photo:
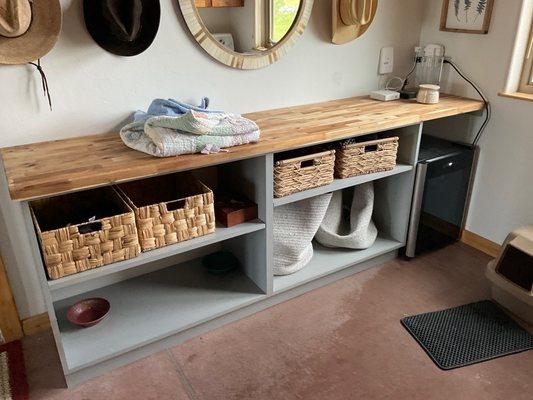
(94, 91)
(503, 193)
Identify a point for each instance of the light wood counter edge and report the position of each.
(23, 194)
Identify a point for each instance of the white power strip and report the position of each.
(384, 95)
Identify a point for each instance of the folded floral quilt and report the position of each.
(171, 128)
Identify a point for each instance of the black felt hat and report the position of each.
(122, 27)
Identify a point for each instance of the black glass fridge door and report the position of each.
(444, 200)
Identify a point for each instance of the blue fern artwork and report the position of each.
(456, 7)
(467, 14)
(468, 4)
(481, 7)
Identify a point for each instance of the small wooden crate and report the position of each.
(353, 159)
(85, 230)
(231, 210)
(294, 175)
(170, 209)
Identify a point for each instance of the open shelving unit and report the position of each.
(72, 285)
(165, 296)
(150, 307)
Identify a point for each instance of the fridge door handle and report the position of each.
(416, 209)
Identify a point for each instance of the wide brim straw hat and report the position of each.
(40, 37)
(347, 29)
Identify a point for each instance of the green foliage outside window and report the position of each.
(283, 15)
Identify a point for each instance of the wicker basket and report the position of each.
(294, 175)
(170, 209)
(85, 230)
(353, 159)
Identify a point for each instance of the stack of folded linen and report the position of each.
(170, 128)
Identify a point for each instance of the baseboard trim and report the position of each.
(480, 243)
(35, 324)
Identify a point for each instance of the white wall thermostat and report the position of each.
(385, 95)
(386, 60)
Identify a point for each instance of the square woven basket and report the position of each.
(84, 230)
(294, 175)
(170, 209)
(353, 159)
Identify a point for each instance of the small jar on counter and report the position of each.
(428, 94)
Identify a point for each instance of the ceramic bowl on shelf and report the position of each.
(88, 312)
(220, 262)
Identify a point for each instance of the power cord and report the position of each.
(392, 79)
(417, 59)
(488, 109)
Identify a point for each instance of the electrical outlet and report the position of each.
(225, 39)
(386, 60)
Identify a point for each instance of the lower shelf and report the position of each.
(327, 261)
(150, 307)
(73, 284)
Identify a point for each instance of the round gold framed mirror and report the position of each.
(246, 34)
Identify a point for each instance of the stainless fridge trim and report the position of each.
(475, 160)
(416, 207)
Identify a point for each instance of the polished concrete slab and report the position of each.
(342, 341)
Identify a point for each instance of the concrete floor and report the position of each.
(343, 341)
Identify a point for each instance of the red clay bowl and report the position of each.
(88, 312)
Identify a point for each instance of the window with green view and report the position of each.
(283, 13)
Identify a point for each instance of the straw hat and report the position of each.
(28, 29)
(122, 27)
(351, 18)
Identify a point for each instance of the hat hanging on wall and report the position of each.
(28, 29)
(351, 18)
(122, 27)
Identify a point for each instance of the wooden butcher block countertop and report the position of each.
(50, 168)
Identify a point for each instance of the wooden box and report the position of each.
(231, 210)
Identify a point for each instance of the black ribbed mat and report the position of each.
(468, 334)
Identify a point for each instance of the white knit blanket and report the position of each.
(359, 232)
(295, 224)
(192, 132)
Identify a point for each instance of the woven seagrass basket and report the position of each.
(170, 209)
(353, 159)
(294, 175)
(85, 230)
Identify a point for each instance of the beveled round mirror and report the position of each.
(246, 34)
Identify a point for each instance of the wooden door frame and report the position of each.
(10, 326)
(525, 85)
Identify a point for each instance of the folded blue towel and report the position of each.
(170, 107)
(171, 128)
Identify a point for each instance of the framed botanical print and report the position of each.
(466, 16)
